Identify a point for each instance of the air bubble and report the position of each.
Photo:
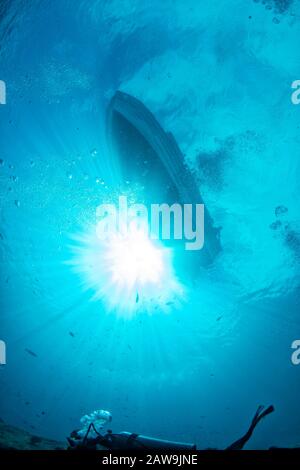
(280, 210)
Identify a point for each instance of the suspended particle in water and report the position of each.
(1, 162)
(94, 152)
(31, 163)
(70, 176)
(17, 203)
(15, 178)
(275, 225)
(86, 177)
(99, 181)
(280, 210)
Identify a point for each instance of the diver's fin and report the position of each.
(258, 411)
(261, 414)
(239, 444)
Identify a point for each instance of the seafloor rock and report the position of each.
(18, 439)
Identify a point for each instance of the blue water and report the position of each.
(218, 75)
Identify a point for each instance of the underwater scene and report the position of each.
(183, 116)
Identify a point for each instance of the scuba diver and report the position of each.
(90, 438)
(122, 440)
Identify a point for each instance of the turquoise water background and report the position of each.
(218, 75)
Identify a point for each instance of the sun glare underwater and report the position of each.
(127, 270)
(171, 101)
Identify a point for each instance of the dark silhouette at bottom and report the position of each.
(239, 444)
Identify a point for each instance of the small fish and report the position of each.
(31, 352)
(137, 298)
(219, 318)
(71, 334)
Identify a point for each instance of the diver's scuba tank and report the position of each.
(127, 440)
